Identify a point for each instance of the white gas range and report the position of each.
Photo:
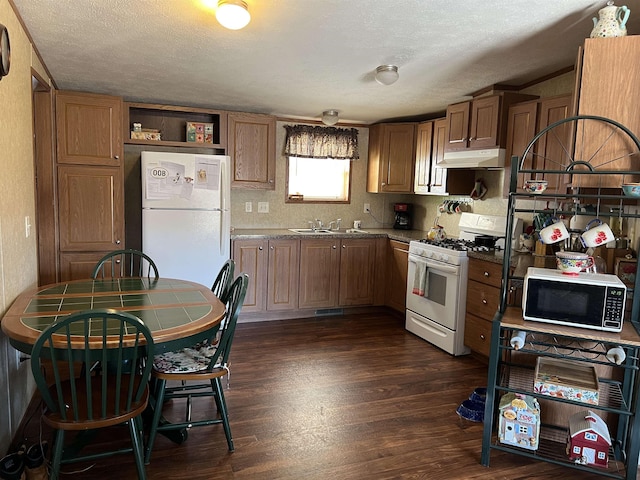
(437, 280)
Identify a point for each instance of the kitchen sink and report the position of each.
(356, 230)
(311, 230)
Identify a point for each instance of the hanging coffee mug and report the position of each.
(596, 234)
(553, 233)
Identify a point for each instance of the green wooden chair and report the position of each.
(78, 399)
(125, 263)
(199, 371)
(223, 280)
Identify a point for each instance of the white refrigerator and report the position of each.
(186, 223)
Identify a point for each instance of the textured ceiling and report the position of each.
(297, 58)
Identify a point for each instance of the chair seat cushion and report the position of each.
(188, 360)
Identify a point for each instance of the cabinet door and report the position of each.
(357, 271)
(458, 126)
(608, 88)
(282, 276)
(398, 153)
(88, 129)
(424, 141)
(250, 257)
(77, 265)
(549, 150)
(396, 277)
(91, 208)
(319, 273)
(252, 148)
(477, 334)
(485, 118)
(521, 128)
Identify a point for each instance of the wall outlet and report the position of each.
(248, 207)
(263, 207)
(367, 207)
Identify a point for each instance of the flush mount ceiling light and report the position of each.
(386, 74)
(330, 117)
(233, 14)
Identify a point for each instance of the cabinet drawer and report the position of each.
(485, 272)
(482, 300)
(477, 334)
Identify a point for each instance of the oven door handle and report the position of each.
(437, 266)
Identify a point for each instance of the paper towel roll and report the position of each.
(616, 355)
(518, 339)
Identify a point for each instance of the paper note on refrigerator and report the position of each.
(165, 180)
(207, 173)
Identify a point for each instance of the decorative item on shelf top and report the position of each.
(535, 186)
(572, 263)
(519, 421)
(612, 21)
(199, 132)
(625, 270)
(566, 379)
(139, 133)
(588, 439)
(631, 189)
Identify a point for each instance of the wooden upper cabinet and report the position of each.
(481, 122)
(91, 208)
(89, 129)
(424, 143)
(521, 128)
(608, 87)
(485, 118)
(458, 126)
(391, 158)
(551, 150)
(252, 148)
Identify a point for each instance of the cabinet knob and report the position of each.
(344, 246)
(117, 261)
(259, 248)
(482, 337)
(334, 247)
(484, 300)
(271, 180)
(271, 247)
(117, 242)
(117, 157)
(383, 184)
(486, 274)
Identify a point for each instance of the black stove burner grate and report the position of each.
(459, 245)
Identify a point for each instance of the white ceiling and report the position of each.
(297, 58)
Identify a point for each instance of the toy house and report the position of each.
(519, 421)
(589, 440)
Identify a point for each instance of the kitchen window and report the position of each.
(319, 163)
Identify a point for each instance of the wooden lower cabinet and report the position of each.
(483, 299)
(319, 272)
(396, 277)
(272, 266)
(357, 272)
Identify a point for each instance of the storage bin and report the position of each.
(566, 379)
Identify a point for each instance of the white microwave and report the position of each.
(587, 300)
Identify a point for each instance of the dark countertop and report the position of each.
(399, 235)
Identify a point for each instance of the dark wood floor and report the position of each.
(345, 397)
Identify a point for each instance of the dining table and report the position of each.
(177, 312)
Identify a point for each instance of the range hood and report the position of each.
(488, 158)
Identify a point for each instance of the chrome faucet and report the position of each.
(336, 223)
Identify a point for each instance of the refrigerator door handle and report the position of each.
(225, 215)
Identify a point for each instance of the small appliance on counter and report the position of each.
(403, 216)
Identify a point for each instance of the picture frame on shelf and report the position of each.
(625, 270)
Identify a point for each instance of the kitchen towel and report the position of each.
(420, 278)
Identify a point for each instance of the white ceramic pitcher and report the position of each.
(612, 21)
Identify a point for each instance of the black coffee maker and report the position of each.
(403, 216)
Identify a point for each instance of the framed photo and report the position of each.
(199, 132)
(626, 269)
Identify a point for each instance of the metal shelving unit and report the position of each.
(513, 371)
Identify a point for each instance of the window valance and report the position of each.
(321, 142)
